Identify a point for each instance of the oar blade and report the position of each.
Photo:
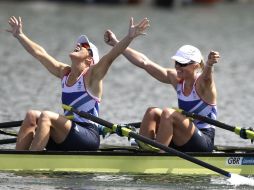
(237, 180)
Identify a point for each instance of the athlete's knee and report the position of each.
(31, 117)
(45, 117)
(168, 114)
(153, 112)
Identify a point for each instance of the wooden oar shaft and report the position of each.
(153, 143)
(11, 124)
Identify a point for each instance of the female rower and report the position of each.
(195, 87)
(81, 89)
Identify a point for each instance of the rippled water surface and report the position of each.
(128, 91)
(125, 182)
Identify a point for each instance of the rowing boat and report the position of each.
(122, 159)
(133, 161)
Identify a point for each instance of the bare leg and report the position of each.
(27, 130)
(150, 122)
(52, 125)
(174, 126)
(165, 131)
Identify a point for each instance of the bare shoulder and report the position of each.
(171, 71)
(172, 76)
(65, 69)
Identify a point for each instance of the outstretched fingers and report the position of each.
(145, 23)
(142, 26)
(16, 25)
(138, 29)
(13, 21)
(20, 21)
(131, 25)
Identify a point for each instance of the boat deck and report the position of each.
(115, 159)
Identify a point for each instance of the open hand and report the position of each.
(16, 26)
(138, 29)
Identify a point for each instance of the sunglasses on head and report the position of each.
(86, 45)
(177, 64)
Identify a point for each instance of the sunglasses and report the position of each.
(86, 45)
(177, 64)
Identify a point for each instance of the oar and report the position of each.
(134, 124)
(128, 133)
(8, 141)
(2, 132)
(242, 132)
(11, 124)
(18, 123)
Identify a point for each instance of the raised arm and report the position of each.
(165, 75)
(207, 74)
(52, 65)
(100, 69)
(206, 81)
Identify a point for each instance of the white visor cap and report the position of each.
(84, 39)
(186, 54)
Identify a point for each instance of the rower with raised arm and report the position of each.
(194, 84)
(81, 88)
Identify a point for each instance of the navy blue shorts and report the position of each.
(201, 141)
(80, 138)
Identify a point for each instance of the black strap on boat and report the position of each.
(243, 133)
(251, 129)
(119, 130)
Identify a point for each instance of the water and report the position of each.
(128, 91)
(123, 182)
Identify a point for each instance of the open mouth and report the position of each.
(77, 49)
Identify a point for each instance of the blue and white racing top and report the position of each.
(193, 103)
(78, 96)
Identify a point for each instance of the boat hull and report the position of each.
(123, 162)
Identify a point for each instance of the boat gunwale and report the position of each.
(126, 153)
